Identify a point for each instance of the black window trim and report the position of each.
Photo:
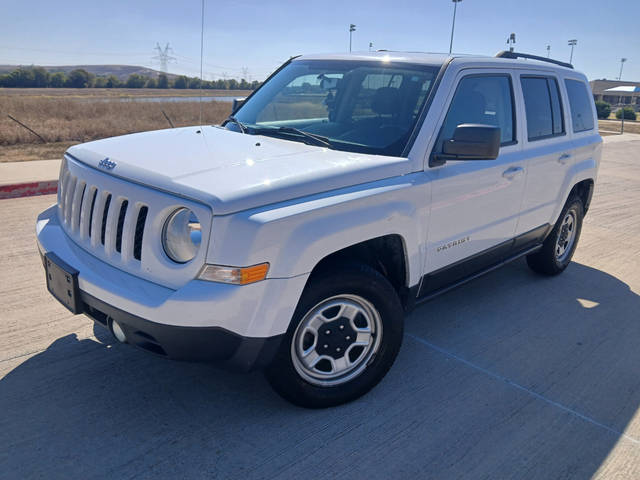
(514, 116)
(560, 98)
(566, 79)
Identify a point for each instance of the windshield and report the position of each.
(370, 107)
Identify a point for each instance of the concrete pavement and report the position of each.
(510, 376)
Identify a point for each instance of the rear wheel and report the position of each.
(344, 337)
(558, 248)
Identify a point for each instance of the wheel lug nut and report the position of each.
(328, 332)
(326, 346)
(348, 337)
(338, 349)
(341, 327)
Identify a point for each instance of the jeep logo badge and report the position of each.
(107, 164)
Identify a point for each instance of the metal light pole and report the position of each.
(511, 41)
(453, 24)
(622, 60)
(370, 46)
(573, 43)
(548, 50)
(352, 28)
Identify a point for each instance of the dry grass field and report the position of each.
(64, 121)
(118, 92)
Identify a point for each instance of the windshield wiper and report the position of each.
(240, 125)
(316, 139)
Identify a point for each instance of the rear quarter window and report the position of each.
(543, 108)
(580, 101)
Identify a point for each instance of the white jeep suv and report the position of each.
(346, 189)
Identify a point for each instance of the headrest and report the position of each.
(386, 101)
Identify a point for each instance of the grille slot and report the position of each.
(123, 212)
(104, 218)
(137, 241)
(93, 206)
(76, 209)
(68, 199)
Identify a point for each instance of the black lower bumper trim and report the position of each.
(200, 344)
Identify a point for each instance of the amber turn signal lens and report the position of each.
(235, 275)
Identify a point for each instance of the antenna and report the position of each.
(163, 56)
(201, 54)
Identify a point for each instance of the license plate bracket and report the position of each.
(62, 282)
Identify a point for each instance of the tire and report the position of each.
(331, 298)
(559, 246)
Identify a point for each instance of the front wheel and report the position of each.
(344, 337)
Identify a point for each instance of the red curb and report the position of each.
(28, 189)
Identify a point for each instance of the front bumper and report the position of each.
(240, 325)
(202, 344)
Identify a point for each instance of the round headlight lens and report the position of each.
(181, 235)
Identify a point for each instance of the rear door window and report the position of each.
(543, 107)
(580, 103)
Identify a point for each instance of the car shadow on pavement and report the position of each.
(513, 375)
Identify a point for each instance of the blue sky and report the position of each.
(259, 35)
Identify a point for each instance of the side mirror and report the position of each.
(470, 142)
(237, 103)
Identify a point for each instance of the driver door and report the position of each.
(475, 204)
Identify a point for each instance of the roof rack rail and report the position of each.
(505, 54)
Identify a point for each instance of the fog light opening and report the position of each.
(117, 331)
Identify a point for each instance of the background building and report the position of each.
(617, 93)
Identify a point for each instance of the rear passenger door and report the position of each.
(548, 148)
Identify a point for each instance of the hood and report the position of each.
(231, 171)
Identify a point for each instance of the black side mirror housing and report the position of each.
(470, 141)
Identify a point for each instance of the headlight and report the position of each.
(181, 235)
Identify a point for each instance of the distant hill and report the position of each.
(120, 71)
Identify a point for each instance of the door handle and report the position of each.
(564, 158)
(512, 172)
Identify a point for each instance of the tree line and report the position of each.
(38, 77)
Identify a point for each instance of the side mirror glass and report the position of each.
(470, 142)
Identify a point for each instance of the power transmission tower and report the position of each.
(163, 56)
(245, 74)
